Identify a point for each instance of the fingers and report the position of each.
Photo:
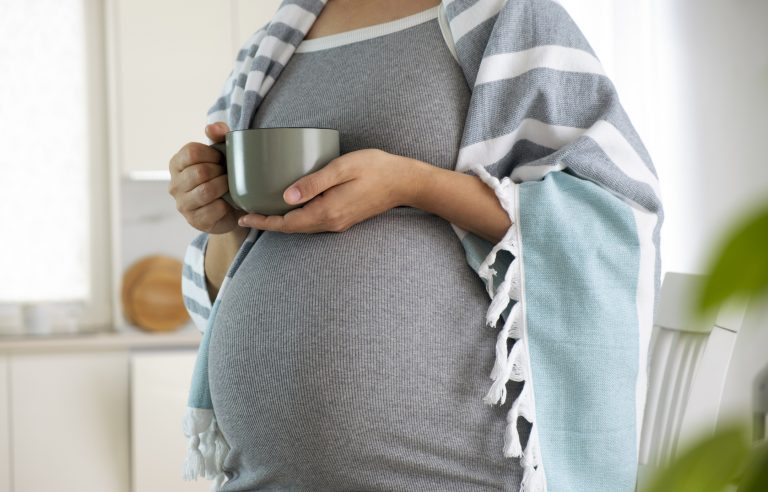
(203, 194)
(206, 217)
(216, 131)
(311, 218)
(195, 175)
(297, 220)
(194, 153)
(315, 183)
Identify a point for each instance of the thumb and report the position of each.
(311, 185)
(216, 131)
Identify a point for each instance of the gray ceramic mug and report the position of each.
(262, 162)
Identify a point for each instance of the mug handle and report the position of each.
(222, 148)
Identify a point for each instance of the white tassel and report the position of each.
(514, 282)
(526, 404)
(515, 365)
(510, 325)
(193, 465)
(513, 448)
(222, 449)
(531, 455)
(200, 427)
(208, 441)
(484, 270)
(531, 481)
(500, 299)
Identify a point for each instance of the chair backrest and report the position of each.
(688, 365)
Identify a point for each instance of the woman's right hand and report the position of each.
(198, 180)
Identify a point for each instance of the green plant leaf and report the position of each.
(755, 477)
(706, 466)
(739, 268)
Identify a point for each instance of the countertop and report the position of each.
(187, 338)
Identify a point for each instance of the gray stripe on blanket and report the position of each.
(545, 22)
(221, 103)
(251, 100)
(261, 64)
(524, 152)
(471, 46)
(458, 6)
(488, 119)
(252, 48)
(286, 33)
(195, 307)
(314, 6)
(192, 275)
(595, 165)
(200, 240)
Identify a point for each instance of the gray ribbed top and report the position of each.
(359, 360)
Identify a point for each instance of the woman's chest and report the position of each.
(401, 92)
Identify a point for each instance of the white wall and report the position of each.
(711, 162)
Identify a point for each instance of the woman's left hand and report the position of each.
(350, 189)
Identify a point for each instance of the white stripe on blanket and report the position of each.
(646, 223)
(295, 16)
(510, 65)
(472, 17)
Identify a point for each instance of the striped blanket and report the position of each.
(574, 282)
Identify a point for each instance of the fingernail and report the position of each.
(293, 194)
(241, 221)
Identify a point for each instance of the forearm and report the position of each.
(459, 198)
(219, 254)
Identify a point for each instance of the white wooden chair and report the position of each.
(689, 361)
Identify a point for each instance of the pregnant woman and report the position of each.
(351, 351)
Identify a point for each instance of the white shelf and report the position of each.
(184, 339)
(159, 175)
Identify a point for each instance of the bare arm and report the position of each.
(459, 198)
(219, 254)
(363, 183)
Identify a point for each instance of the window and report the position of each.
(53, 172)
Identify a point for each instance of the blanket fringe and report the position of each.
(207, 446)
(512, 364)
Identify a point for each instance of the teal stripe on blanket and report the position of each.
(580, 281)
(200, 393)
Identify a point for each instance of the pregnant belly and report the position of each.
(325, 341)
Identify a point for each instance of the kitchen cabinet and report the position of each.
(167, 63)
(95, 413)
(159, 388)
(70, 421)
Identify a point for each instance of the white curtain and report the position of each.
(644, 52)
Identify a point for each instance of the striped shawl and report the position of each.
(574, 281)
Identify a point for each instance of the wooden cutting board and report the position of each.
(151, 294)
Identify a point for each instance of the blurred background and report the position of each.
(96, 349)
